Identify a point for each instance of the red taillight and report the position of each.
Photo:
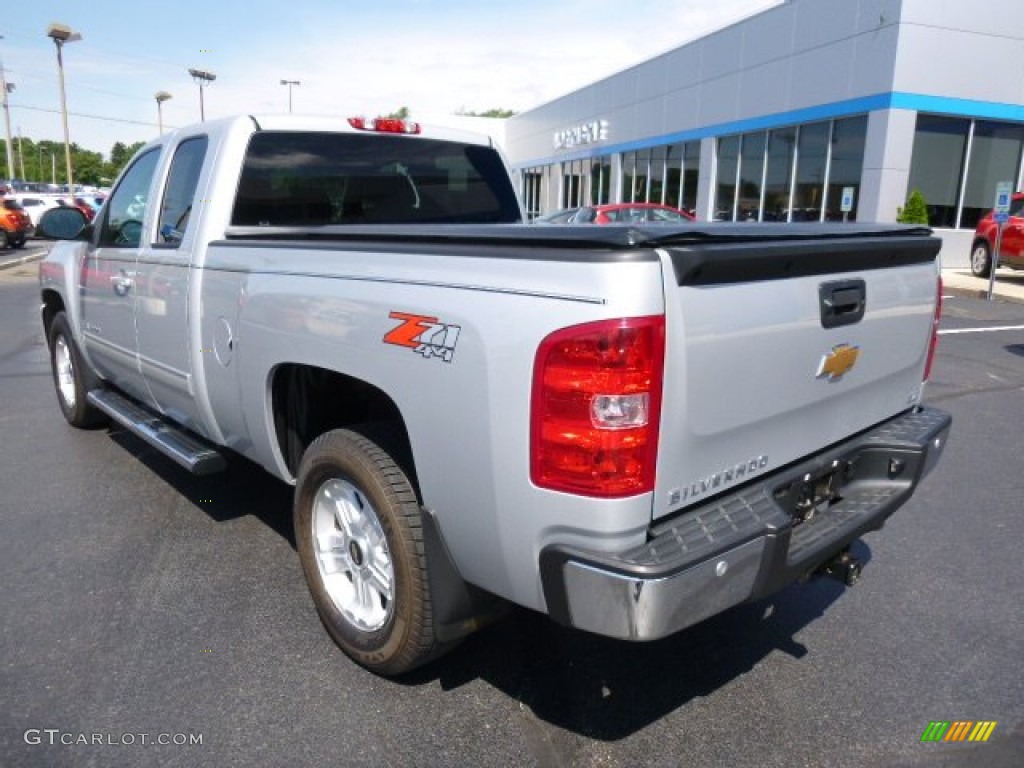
(596, 406)
(384, 124)
(935, 332)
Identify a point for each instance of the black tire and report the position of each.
(981, 259)
(71, 378)
(20, 243)
(348, 484)
(4, 240)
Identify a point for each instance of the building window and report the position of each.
(748, 207)
(937, 165)
(573, 179)
(532, 192)
(728, 166)
(995, 156)
(845, 164)
(682, 171)
(778, 177)
(812, 161)
(600, 180)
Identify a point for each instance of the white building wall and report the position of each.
(887, 153)
(796, 56)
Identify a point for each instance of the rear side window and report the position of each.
(182, 182)
(310, 179)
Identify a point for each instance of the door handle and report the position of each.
(842, 302)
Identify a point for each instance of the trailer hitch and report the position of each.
(843, 567)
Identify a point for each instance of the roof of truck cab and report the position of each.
(320, 123)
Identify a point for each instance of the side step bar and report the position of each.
(172, 441)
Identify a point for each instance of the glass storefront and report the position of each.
(795, 173)
(666, 174)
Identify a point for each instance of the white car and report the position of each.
(35, 205)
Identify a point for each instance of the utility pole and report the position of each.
(7, 88)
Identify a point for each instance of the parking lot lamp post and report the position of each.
(290, 83)
(202, 77)
(161, 97)
(61, 34)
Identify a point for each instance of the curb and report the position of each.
(974, 293)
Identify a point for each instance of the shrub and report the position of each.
(915, 211)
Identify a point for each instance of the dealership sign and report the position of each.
(582, 134)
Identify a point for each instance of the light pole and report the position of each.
(290, 83)
(161, 97)
(7, 88)
(61, 34)
(202, 77)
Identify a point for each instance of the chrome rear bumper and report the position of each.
(745, 544)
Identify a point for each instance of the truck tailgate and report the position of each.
(778, 349)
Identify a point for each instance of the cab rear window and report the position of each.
(314, 179)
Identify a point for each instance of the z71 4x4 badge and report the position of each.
(424, 335)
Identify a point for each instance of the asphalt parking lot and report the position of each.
(141, 602)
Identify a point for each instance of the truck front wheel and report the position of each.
(71, 378)
(359, 536)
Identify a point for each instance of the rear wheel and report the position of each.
(71, 378)
(359, 536)
(4, 240)
(981, 260)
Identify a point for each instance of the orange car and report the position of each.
(15, 225)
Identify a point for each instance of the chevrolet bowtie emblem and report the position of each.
(838, 362)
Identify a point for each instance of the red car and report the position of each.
(631, 213)
(86, 209)
(1011, 249)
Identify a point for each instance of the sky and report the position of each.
(435, 57)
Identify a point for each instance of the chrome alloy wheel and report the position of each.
(65, 372)
(352, 555)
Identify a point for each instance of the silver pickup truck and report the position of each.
(628, 429)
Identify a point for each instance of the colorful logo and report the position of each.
(424, 335)
(958, 730)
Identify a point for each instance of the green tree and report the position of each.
(496, 112)
(915, 211)
(402, 113)
(120, 154)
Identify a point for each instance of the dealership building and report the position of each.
(811, 110)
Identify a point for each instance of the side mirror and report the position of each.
(63, 223)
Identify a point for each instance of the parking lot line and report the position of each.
(992, 329)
